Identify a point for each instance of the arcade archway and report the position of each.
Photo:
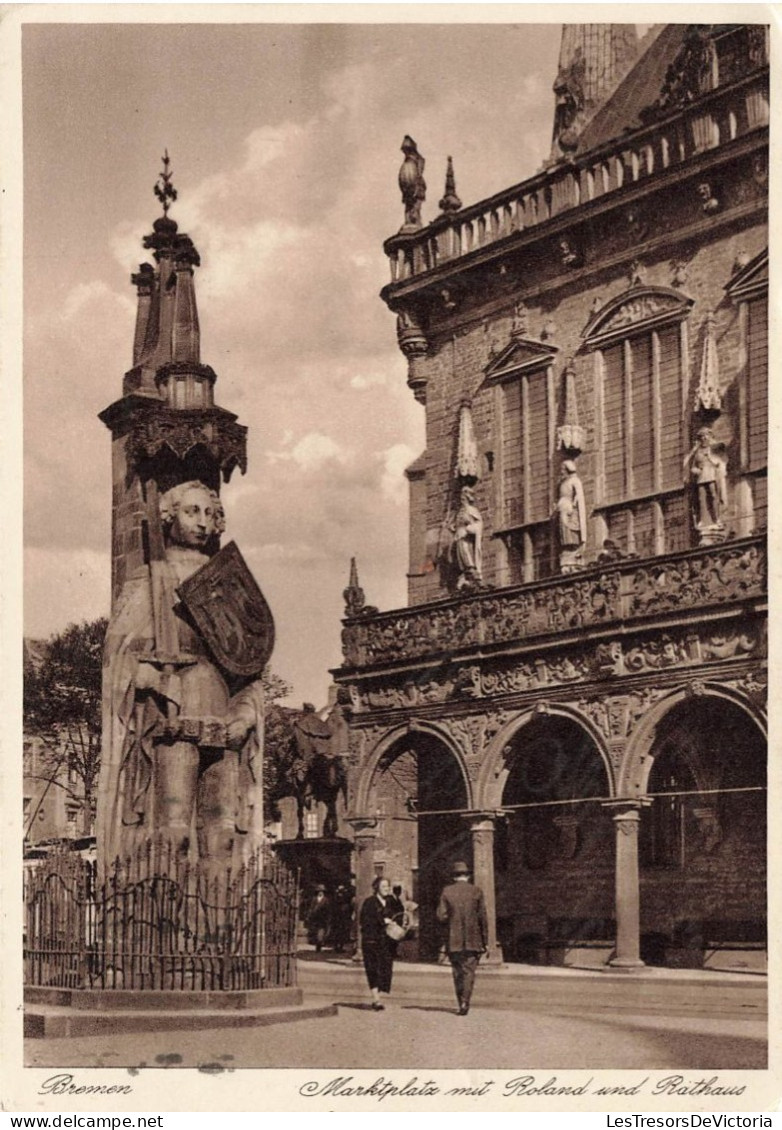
(702, 846)
(554, 851)
(418, 792)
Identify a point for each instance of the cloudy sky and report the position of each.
(284, 142)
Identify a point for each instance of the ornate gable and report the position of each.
(751, 280)
(521, 354)
(638, 309)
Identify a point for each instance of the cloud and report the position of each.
(367, 380)
(290, 230)
(71, 584)
(311, 452)
(393, 483)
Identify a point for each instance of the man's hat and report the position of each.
(320, 887)
(460, 868)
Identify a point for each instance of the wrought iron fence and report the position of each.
(157, 921)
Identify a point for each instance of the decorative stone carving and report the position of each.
(680, 271)
(520, 324)
(469, 735)
(754, 685)
(571, 519)
(637, 224)
(571, 437)
(467, 462)
(413, 343)
(570, 255)
(609, 660)
(461, 544)
(707, 471)
(468, 682)
(708, 198)
(450, 202)
(353, 595)
(689, 75)
(224, 440)
(569, 105)
(708, 395)
(760, 169)
(640, 308)
(655, 654)
(412, 185)
(720, 577)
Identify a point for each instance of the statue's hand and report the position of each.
(236, 732)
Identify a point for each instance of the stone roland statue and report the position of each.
(182, 733)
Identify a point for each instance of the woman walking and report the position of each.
(376, 946)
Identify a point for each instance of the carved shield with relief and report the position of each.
(231, 612)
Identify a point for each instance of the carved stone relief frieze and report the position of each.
(723, 575)
(615, 715)
(607, 660)
(470, 735)
(754, 685)
(720, 577)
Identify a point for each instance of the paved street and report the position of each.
(550, 1030)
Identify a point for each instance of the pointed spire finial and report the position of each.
(353, 594)
(450, 201)
(164, 189)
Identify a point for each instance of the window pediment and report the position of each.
(638, 309)
(522, 354)
(751, 280)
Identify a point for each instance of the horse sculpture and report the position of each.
(316, 775)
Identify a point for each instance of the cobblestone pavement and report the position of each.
(429, 1034)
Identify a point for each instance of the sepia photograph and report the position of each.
(395, 392)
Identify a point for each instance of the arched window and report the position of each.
(639, 343)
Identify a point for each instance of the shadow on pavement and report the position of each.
(697, 1050)
(428, 1008)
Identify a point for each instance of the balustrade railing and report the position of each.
(714, 120)
(628, 590)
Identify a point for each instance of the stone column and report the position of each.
(364, 836)
(627, 818)
(482, 826)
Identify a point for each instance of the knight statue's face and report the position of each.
(195, 521)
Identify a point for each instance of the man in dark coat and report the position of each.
(463, 908)
(319, 918)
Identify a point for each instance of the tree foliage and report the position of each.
(279, 745)
(62, 706)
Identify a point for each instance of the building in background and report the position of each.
(574, 698)
(54, 809)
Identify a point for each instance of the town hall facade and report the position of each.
(574, 698)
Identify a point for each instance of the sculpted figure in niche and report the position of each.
(467, 539)
(571, 519)
(708, 473)
(182, 752)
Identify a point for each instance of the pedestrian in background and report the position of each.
(319, 918)
(463, 909)
(376, 946)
